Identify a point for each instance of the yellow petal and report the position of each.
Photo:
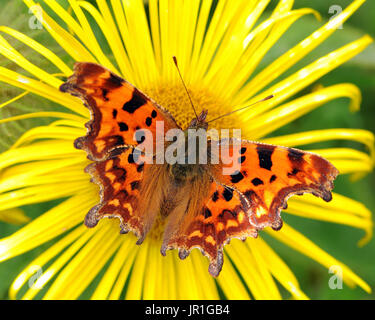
(69, 43)
(47, 226)
(14, 216)
(297, 139)
(269, 121)
(43, 90)
(341, 210)
(276, 266)
(38, 48)
(78, 236)
(297, 241)
(299, 80)
(258, 280)
(292, 56)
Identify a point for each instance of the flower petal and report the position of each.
(269, 121)
(304, 77)
(78, 236)
(297, 139)
(276, 266)
(48, 226)
(297, 241)
(292, 56)
(340, 210)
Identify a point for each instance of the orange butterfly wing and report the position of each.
(119, 178)
(118, 110)
(250, 197)
(269, 175)
(220, 219)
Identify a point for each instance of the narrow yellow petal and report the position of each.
(38, 151)
(189, 288)
(38, 48)
(132, 21)
(347, 160)
(68, 42)
(105, 285)
(297, 241)
(340, 210)
(78, 236)
(43, 90)
(208, 283)
(128, 264)
(107, 25)
(136, 282)
(14, 216)
(251, 48)
(28, 174)
(277, 267)
(50, 132)
(280, 116)
(253, 271)
(305, 76)
(79, 272)
(14, 99)
(230, 283)
(152, 272)
(89, 38)
(297, 139)
(47, 226)
(292, 56)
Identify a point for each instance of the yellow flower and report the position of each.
(217, 55)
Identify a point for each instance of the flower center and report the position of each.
(173, 97)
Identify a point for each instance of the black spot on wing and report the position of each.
(114, 113)
(104, 94)
(140, 167)
(114, 81)
(257, 182)
(228, 194)
(207, 213)
(293, 173)
(264, 155)
(241, 159)
(215, 196)
(273, 178)
(295, 155)
(236, 177)
(134, 185)
(123, 126)
(137, 101)
(154, 113)
(148, 121)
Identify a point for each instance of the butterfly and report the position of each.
(200, 206)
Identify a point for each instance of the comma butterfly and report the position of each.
(201, 206)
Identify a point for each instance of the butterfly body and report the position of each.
(201, 204)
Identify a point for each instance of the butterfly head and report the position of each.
(200, 121)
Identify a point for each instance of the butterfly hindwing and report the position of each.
(119, 179)
(220, 219)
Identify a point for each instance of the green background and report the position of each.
(338, 240)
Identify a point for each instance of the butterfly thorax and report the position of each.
(193, 163)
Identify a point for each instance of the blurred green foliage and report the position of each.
(338, 240)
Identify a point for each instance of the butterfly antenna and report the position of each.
(250, 105)
(183, 82)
